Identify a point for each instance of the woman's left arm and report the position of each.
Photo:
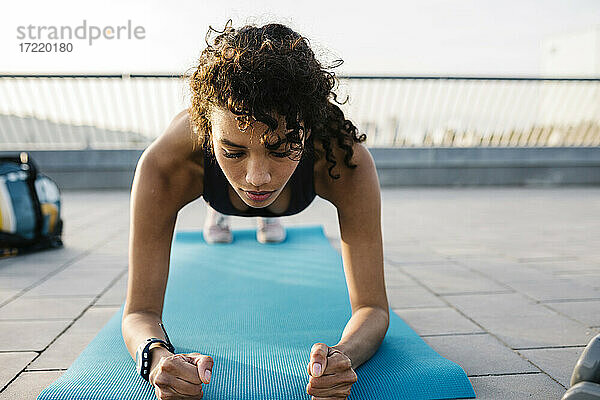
(359, 216)
(356, 195)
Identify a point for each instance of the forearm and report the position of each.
(363, 334)
(139, 326)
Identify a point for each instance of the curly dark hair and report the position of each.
(258, 71)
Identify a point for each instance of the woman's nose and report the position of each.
(258, 174)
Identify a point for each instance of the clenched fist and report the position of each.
(331, 373)
(180, 376)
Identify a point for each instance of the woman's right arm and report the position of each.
(167, 177)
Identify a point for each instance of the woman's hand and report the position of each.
(180, 376)
(331, 373)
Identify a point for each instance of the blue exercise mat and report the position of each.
(257, 310)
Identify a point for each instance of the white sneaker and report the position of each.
(270, 230)
(216, 227)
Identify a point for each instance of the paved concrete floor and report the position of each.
(503, 281)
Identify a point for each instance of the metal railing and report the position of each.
(129, 111)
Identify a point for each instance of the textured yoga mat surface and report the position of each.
(257, 310)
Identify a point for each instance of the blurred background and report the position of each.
(424, 75)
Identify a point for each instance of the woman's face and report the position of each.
(257, 174)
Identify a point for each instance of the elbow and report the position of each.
(383, 312)
(384, 317)
(386, 314)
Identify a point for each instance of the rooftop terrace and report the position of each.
(503, 281)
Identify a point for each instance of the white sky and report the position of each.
(474, 37)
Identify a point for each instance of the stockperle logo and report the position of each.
(89, 33)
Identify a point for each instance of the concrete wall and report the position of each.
(488, 166)
(111, 169)
(87, 169)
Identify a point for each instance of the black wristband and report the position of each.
(144, 361)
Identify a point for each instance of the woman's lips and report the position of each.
(258, 196)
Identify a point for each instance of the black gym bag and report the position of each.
(30, 217)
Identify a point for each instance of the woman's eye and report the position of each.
(283, 154)
(232, 155)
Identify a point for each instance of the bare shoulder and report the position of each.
(176, 155)
(351, 180)
(177, 143)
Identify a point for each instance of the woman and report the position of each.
(262, 138)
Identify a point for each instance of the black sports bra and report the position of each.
(216, 187)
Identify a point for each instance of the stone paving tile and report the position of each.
(393, 242)
(588, 252)
(44, 308)
(474, 260)
(396, 278)
(98, 219)
(36, 260)
(76, 206)
(101, 261)
(12, 364)
(116, 295)
(407, 244)
(461, 248)
(528, 275)
(412, 297)
(86, 242)
(450, 278)
(534, 253)
(526, 332)
(583, 278)
(547, 258)
(586, 312)
(402, 257)
(437, 321)
(117, 245)
(29, 385)
(6, 294)
(545, 289)
(517, 387)
(521, 322)
(558, 363)
(39, 263)
(507, 272)
(483, 261)
(19, 275)
(75, 283)
(496, 305)
(566, 267)
(11, 283)
(70, 344)
(29, 335)
(479, 354)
